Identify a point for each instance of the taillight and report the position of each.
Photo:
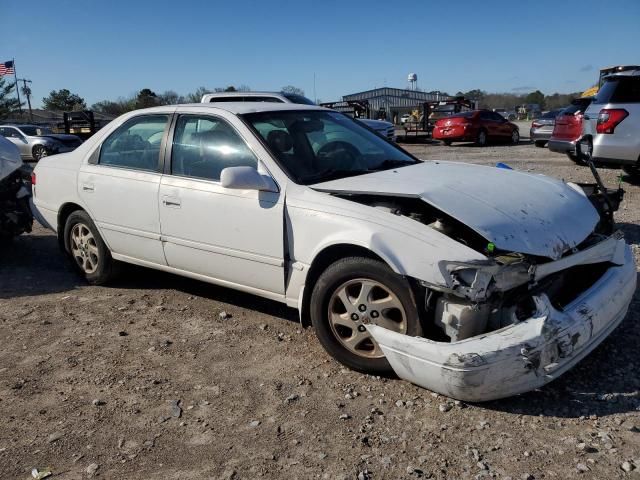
(33, 178)
(535, 125)
(609, 118)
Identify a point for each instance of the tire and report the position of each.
(38, 152)
(338, 325)
(447, 142)
(86, 249)
(481, 139)
(574, 158)
(540, 143)
(515, 137)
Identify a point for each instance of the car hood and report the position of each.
(376, 124)
(517, 211)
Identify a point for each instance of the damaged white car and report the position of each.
(475, 282)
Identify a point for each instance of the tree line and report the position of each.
(64, 100)
(510, 100)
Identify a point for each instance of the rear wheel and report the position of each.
(87, 250)
(515, 137)
(481, 139)
(351, 293)
(38, 152)
(447, 142)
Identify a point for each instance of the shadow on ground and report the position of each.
(606, 382)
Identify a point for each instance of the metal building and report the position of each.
(391, 103)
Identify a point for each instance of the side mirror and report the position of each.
(246, 178)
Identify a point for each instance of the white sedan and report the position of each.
(475, 282)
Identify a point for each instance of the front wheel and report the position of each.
(38, 152)
(351, 293)
(87, 250)
(515, 137)
(540, 143)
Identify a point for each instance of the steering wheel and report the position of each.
(344, 153)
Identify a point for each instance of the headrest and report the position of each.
(280, 141)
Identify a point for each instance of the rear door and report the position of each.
(119, 186)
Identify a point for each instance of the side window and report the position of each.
(204, 146)
(485, 116)
(628, 90)
(136, 144)
(10, 133)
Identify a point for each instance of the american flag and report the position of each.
(6, 68)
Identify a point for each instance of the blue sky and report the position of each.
(106, 49)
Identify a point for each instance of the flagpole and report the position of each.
(15, 75)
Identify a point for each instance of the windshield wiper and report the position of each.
(390, 163)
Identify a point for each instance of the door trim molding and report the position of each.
(229, 252)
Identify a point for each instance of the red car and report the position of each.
(479, 126)
(568, 128)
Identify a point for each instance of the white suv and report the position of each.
(384, 128)
(611, 127)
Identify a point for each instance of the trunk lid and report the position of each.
(568, 127)
(516, 211)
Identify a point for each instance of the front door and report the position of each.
(234, 237)
(120, 188)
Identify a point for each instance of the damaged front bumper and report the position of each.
(520, 357)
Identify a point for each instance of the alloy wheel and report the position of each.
(361, 301)
(39, 151)
(84, 248)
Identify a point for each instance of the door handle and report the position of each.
(88, 187)
(171, 202)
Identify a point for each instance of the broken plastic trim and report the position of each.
(478, 281)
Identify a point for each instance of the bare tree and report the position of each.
(292, 90)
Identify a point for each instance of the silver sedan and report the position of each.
(35, 142)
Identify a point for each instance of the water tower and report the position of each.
(412, 78)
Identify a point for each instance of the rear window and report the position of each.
(550, 114)
(619, 90)
(295, 98)
(576, 107)
(463, 115)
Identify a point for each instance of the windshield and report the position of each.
(316, 146)
(36, 131)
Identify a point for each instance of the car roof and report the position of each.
(240, 108)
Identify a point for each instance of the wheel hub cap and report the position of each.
(84, 248)
(358, 302)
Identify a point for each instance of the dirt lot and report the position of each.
(145, 379)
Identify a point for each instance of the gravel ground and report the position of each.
(156, 376)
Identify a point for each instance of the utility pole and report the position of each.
(27, 91)
(15, 75)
